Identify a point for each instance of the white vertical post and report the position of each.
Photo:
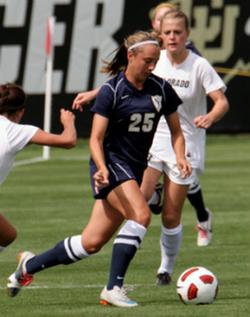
(49, 49)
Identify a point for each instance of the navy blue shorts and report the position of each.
(119, 172)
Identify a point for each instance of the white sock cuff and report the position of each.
(172, 231)
(74, 248)
(131, 233)
(194, 187)
(133, 228)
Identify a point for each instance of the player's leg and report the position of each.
(128, 199)
(195, 197)
(102, 224)
(7, 233)
(171, 232)
(204, 215)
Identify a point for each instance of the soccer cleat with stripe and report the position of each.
(20, 277)
(116, 297)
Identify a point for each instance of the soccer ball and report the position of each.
(197, 285)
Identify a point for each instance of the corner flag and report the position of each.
(49, 72)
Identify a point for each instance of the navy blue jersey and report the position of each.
(133, 116)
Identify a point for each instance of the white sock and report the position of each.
(131, 233)
(170, 243)
(74, 247)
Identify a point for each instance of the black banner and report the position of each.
(87, 31)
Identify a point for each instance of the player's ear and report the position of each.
(130, 54)
(19, 114)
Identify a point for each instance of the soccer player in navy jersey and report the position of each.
(194, 194)
(125, 116)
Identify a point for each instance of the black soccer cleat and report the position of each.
(163, 279)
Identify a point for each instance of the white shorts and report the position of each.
(172, 171)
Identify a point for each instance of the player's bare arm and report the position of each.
(83, 98)
(67, 139)
(99, 127)
(220, 107)
(178, 142)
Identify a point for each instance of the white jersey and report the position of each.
(192, 80)
(13, 138)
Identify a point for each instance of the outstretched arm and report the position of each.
(67, 139)
(84, 98)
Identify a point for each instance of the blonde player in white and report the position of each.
(193, 78)
(14, 137)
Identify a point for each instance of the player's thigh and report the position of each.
(103, 223)
(174, 197)
(128, 199)
(151, 177)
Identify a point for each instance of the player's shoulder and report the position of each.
(155, 78)
(7, 124)
(3, 119)
(190, 45)
(9, 128)
(114, 81)
(162, 58)
(159, 81)
(199, 61)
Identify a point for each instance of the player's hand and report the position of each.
(67, 117)
(83, 98)
(203, 122)
(184, 167)
(101, 179)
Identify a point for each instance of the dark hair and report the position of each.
(120, 61)
(12, 98)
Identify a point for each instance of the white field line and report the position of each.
(41, 159)
(29, 161)
(128, 287)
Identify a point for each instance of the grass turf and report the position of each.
(50, 200)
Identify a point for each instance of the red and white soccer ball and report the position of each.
(197, 285)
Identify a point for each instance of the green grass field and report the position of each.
(50, 200)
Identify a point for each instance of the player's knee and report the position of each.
(94, 245)
(9, 237)
(144, 218)
(147, 194)
(170, 220)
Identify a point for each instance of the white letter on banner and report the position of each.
(10, 55)
(34, 76)
(88, 36)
